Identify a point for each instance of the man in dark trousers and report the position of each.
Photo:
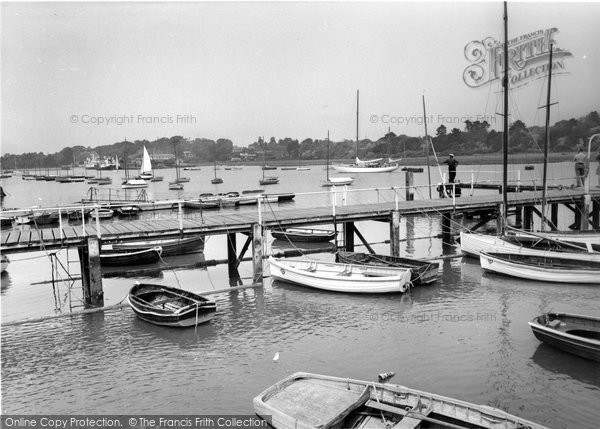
(452, 163)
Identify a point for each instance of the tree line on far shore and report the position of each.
(475, 138)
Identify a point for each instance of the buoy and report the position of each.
(276, 357)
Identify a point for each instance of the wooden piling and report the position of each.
(395, 233)
(408, 183)
(528, 221)
(349, 236)
(446, 222)
(257, 252)
(231, 251)
(519, 216)
(596, 214)
(91, 274)
(554, 215)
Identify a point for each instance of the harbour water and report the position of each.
(466, 336)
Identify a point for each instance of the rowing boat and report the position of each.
(422, 272)
(340, 277)
(170, 246)
(304, 235)
(575, 334)
(169, 306)
(304, 400)
(125, 258)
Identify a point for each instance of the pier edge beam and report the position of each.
(91, 273)
(395, 233)
(348, 236)
(257, 252)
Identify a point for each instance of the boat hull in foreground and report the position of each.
(575, 334)
(305, 400)
(340, 277)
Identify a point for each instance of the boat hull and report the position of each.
(305, 400)
(359, 169)
(567, 335)
(171, 307)
(169, 247)
(126, 258)
(341, 277)
(308, 236)
(472, 244)
(422, 272)
(540, 268)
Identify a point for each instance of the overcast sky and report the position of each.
(243, 70)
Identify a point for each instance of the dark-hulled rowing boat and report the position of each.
(170, 246)
(579, 335)
(124, 258)
(169, 306)
(422, 272)
(304, 235)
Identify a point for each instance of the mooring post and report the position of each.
(60, 224)
(408, 183)
(519, 216)
(395, 234)
(528, 221)
(595, 214)
(349, 236)
(585, 213)
(91, 274)
(446, 222)
(180, 217)
(231, 251)
(257, 252)
(554, 216)
(98, 233)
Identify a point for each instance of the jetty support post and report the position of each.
(257, 252)
(408, 184)
(528, 221)
(232, 260)
(395, 233)
(91, 274)
(349, 229)
(596, 214)
(585, 213)
(519, 216)
(180, 217)
(446, 229)
(554, 216)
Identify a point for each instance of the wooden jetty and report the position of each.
(253, 224)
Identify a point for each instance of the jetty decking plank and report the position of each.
(10, 238)
(70, 232)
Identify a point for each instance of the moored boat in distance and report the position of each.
(134, 184)
(169, 306)
(304, 400)
(303, 235)
(422, 272)
(336, 277)
(541, 268)
(572, 333)
(112, 257)
(102, 213)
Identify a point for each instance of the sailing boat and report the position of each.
(176, 185)
(369, 166)
(474, 243)
(335, 181)
(132, 183)
(146, 168)
(216, 179)
(267, 180)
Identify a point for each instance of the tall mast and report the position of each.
(328, 155)
(357, 98)
(547, 145)
(505, 133)
(427, 151)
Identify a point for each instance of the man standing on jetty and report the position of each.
(580, 160)
(452, 163)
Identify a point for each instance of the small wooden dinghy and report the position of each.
(579, 335)
(170, 246)
(542, 268)
(423, 272)
(304, 235)
(341, 277)
(305, 400)
(125, 258)
(169, 306)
